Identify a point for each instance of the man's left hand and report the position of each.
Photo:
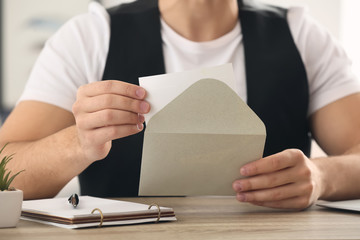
(284, 180)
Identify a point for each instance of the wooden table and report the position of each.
(210, 218)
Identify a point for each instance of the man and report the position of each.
(292, 93)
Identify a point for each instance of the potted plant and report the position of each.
(10, 198)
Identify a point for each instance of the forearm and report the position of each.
(49, 163)
(340, 175)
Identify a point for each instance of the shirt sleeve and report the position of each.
(75, 55)
(328, 68)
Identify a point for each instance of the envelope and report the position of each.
(196, 144)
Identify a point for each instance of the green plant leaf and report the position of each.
(3, 147)
(2, 172)
(3, 163)
(4, 182)
(12, 178)
(7, 176)
(2, 186)
(5, 179)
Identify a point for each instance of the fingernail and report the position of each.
(241, 197)
(140, 92)
(243, 171)
(144, 107)
(238, 186)
(141, 118)
(140, 126)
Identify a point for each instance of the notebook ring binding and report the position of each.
(159, 211)
(101, 215)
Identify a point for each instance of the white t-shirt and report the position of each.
(76, 55)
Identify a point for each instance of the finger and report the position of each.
(111, 101)
(101, 135)
(272, 194)
(112, 87)
(272, 163)
(265, 181)
(108, 117)
(296, 203)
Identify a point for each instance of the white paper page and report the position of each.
(162, 89)
(352, 205)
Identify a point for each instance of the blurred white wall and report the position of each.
(350, 31)
(111, 3)
(327, 12)
(26, 26)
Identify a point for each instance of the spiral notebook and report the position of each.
(93, 212)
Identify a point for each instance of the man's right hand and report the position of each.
(107, 110)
